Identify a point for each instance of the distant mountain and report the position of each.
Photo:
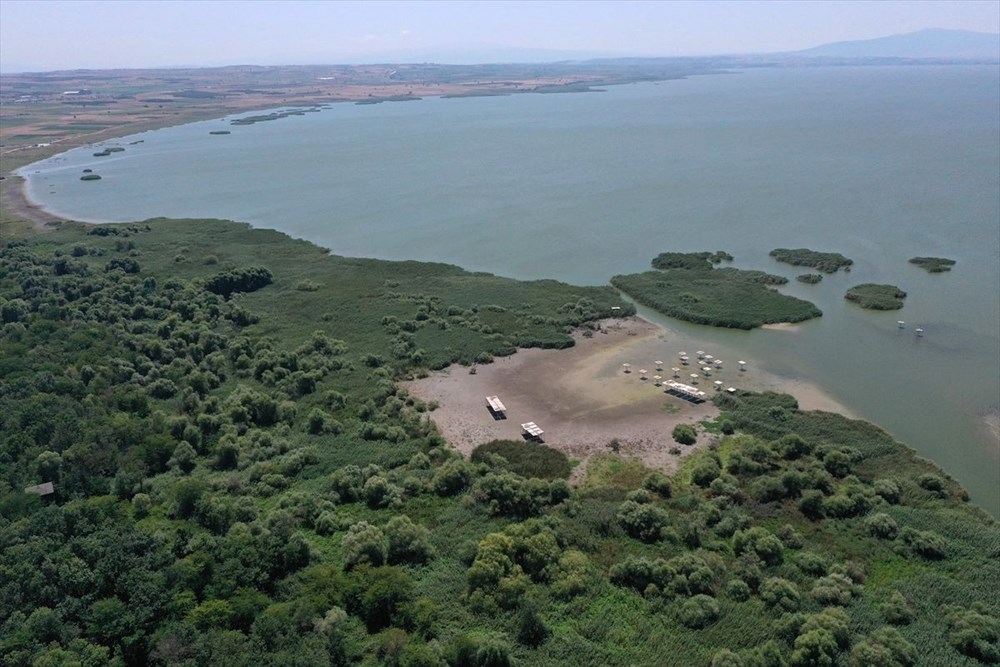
(934, 43)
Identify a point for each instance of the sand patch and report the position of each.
(580, 397)
(584, 401)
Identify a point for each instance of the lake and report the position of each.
(878, 163)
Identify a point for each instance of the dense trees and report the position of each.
(243, 482)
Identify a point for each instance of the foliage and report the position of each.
(827, 262)
(690, 260)
(933, 264)
(730, 298)
(684, 434)
(527, 459)
(245, 482)
(876, 297)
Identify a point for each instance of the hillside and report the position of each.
(934, 43)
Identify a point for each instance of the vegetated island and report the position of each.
(197, 475)
(220, 132)
(690, 288)
(827, 262)
(933, 264)
(809, 278)
(90, 177)
(874, 296)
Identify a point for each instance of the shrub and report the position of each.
(974, 632)
(658, 483)
(704, 472)
(643, 521)
(452, 477)
(834, 589)
(932, 483)
(408, 542)
(531, 629)
(882, 526)
(364, 543)
(685, 434)
(883, 648)
(525, 458)
(896, 610)
(699, 611)
(925, 543)
(779, 594)
(761, 542)
(812, 505)
(887, 489)
(239, 280)
(738, 590)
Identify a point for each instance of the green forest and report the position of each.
(239, 479)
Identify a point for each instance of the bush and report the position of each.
(408, 542)
(761, 542)
(896, 610)
(738, 590)
(779, 594)
(705, 471)
(882, 526)
(883, 648)
(925, 543)
(974, 632)
(643, 521)
(249, 279)
(364, 543)
(525, 458)
(699, 611)
(685, 434)
(658, 483)
(834, 589)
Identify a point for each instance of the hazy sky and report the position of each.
(55, 34)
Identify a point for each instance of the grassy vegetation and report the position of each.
(810, 278)
(527, 459)
(933, 264)
(732, 298)
(241, 481)
(690, 260)
(876, 297)
(827, 262)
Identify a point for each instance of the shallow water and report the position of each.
(881, 164)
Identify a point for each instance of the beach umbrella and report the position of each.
(682, 354)
(709, 357)
(659, 365)
(627, 368)
(700, 353)
(676, 371)
(743, 365)
(694, 378)
(718, 385)
(718, 363)
(657, 379)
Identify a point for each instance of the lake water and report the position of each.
(880, 164)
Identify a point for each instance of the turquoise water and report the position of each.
(881, 164)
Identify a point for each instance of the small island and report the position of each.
(690, 260)
(90, 177)
(220, 132)
(691, 289)
(103, 153)
(810, 278)
(876, 297)
(933, 264)
(827, 262)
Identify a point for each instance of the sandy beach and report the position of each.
(583, 400)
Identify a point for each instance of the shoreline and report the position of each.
(583, 400)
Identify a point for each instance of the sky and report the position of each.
(42, 35)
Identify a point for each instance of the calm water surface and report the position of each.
(881, 164)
